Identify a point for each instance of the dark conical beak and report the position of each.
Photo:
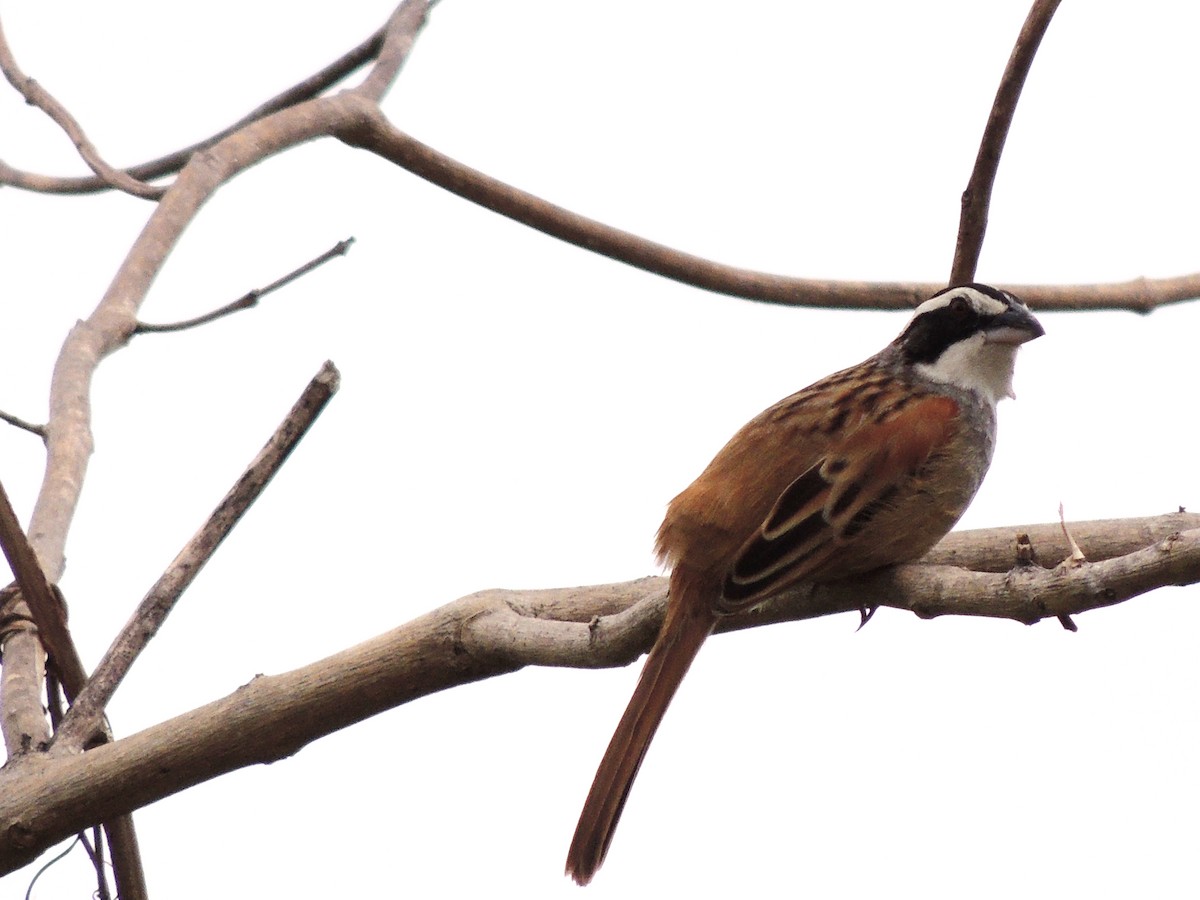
(1016, 325)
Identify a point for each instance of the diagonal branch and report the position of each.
(45, 604)
(49, 613)
(85, 717)
(977, 197)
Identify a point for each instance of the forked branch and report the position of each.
(38, 96)
(310, 87)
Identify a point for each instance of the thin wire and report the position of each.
(38, 874)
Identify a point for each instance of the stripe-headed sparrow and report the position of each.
(864, 469)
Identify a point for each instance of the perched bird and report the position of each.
(864, 469)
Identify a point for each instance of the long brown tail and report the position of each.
(689, 621)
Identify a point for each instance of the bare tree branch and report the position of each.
(38, 96)
(977, 549)
(67, 432)
(45, 605)
(250, 299)
(1138, 295)
(381, 137)
(49, 613)
(400, 33)
(85, 717)
(68, 435)
(21, 718)
(310, 87)
(44, 796)
(16, 422)
(45, 799)
(976, 199)
(95, 851)
(114, 320)
(128, 871)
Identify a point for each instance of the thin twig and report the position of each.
(1077, 556)
(54, 698)
(39, 430)
(38, 96)
(95, 851)
(972, 223)
(381, 137)
(310, 87)
(251, 298)
(86, 714)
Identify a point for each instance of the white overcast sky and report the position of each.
(516, 412)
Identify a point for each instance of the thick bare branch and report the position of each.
(982, 549)
(383, 138)
(977, 197)
(85, 717)
(532, 626)
(1027, 594)
(45, 798)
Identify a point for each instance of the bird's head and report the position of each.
(967, 336)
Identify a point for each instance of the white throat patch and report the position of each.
(977, 365)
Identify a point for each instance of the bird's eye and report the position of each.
(959, 306)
